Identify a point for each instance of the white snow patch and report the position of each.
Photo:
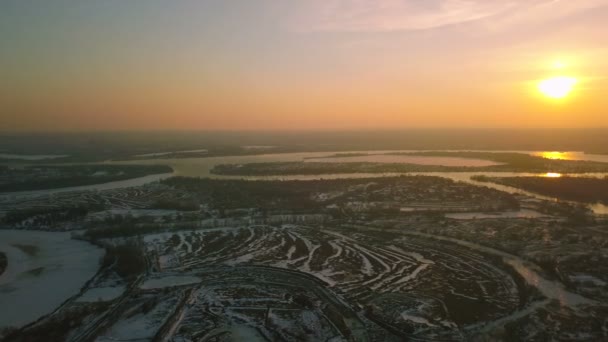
(413, 275)
(239, 260)
(416, 319)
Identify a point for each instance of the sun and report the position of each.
(559, 65)
(557, 87)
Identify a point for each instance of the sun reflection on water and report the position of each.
(555, 155)
(552, 175)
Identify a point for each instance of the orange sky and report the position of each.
(271, 64)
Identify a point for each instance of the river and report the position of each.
(202, 166)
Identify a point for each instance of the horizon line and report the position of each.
(304, 130)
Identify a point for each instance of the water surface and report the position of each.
(405, 159)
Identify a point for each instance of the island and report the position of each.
(579, 189)
(504, 162)
(42, 177)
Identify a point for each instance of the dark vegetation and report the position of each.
(124, 229)
(57, 327)
(115, 226)
(569, 328)
(3, 262)
(300, 196)
(127, 260)
(179, 204)
(580, 189)
(51, 177)
(232, 194)
(510, 162)
(46, 216)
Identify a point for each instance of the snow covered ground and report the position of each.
(141, 326)
(102, 294)
(44, 269)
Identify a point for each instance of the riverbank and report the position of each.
(32, 178)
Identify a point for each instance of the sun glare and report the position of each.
(557, 87)
(552, 175)
(559, 65)
(555, 155)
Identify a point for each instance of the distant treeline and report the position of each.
(580, 189)
(318, 168)
(3, 262)
(112, 145)
(127, 228)
(46, 216)
(51, 177)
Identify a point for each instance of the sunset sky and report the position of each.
(301, 64)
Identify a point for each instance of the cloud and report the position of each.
(410, 15)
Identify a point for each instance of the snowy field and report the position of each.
(365, 270)
(44, 270)
(101, 294)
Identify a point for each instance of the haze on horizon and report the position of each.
(286, 65)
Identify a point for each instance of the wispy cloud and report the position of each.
(408, 15)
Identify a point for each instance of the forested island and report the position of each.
(41, 177)
(508, 162)
(580, 189)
